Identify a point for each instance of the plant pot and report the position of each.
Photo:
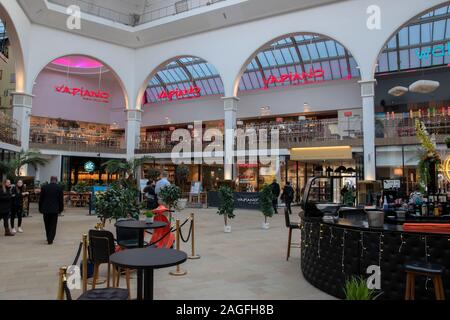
(149, 220)
(265, 226)
(376, 219)
(181, 204)
(227, 229)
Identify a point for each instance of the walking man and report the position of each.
(51, 204)
(276, 190)
(162, 183)
(288, 196)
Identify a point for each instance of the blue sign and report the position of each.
(89, 167)
(437, 51)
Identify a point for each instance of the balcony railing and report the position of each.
(136, 19)
(399, 130)
(330, 132)
(66, 140)
(9, 130)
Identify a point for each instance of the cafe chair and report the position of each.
(94, 294)
(291, 226)
(101, 247)
(433, 271)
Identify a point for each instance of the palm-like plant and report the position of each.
(31, 158)
(127, 170)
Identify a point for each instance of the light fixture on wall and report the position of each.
(306, 107)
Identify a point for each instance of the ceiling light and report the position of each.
(424, 86)
(398, 91)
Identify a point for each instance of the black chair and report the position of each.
(433, 271)
(127, 238)
(291, 226)
(95, 294)
(101, 247)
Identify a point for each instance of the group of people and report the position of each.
(153, 189)
(11, 206)
(51, 205)
(287, 196)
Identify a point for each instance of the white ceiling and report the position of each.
(222, 14)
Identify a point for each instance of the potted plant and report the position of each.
(149, 217)
(117, 202)
(266, 199)
(356, 289)
(447, 142)
(226, 206)
(169, 196)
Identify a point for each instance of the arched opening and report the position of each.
(78, 106)
(12, 78)
(306, 86)
(413, 77)
(180, 91)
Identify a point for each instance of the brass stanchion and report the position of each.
(179, 271)
(85, 262)
(193, 256)
(62, 276)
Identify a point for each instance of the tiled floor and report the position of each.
(249, 263)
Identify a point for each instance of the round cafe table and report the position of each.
(147, 260)
(141, 226)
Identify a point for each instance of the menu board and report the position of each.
(196, 187)
(391, 184)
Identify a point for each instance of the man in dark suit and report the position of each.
(276, 190)
(51, 204)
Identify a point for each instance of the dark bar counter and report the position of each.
(331, 253)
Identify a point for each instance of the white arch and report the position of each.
(155, 70)
(18, 28)
(284, 36)
(414, 15)
(117, 76)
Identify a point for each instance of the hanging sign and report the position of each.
(89, 167)
(85, 94)
(295, 78)
(180, 94)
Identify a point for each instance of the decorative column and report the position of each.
(230, 108)
(368, 105)
(133, 131)
(22, 105)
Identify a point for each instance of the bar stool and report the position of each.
(434, 271)
(291, 226)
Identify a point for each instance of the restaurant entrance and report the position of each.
(85, 170)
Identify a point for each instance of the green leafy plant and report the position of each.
(12, 169)
(429, 158)
(81, 187)
(356, 289)
(182, 173)
(127, 170)
(266, 197)
(226, 203)
(149, 214)
(170, 196)
(117, 202)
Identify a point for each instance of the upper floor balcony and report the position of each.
(9, 130)
(74, 136)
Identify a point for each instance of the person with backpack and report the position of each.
(288, 196)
